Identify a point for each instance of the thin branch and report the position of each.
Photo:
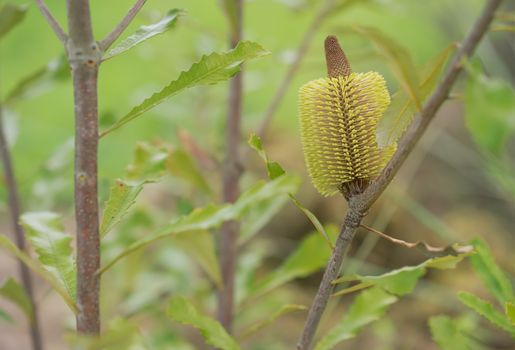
(359, 204)
(292, 69)
(84, 57)
(61, 35)
(420, 124)
(332, 271)
(231, 173)
(118, 30)
(19, 234)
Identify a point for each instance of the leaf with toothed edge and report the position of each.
(37, 268)
(45, 231)
(182, 311)
(211, 69)
(144, 33)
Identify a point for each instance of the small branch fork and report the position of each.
(359, 204)
(118, 30)
(84, 57)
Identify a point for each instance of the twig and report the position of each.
(61, 35)
(124, 23)
(348, 230)
(231, 172)
(84, 57)
(359, 204)
(19, 234)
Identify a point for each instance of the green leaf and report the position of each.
(285, 309)
(490, 273)
(368, 307)
(510, 311)
(36, 267)
(400, 60)
(145, 32)
(40, 80)
(401, 281)
(123, 195)
(402, 108)
(259, 215)
(181, 164)
(45, 232)
(121, 334)
(314, 220)
(14, 292)
(447, 334)
(213, 216)
(182, 311)
(274, 170)
(200, 246)
(211, 69)
(5, 317)
(486, 309)
(311, 255)
(149, 161)
(489, 111)
(10, 16)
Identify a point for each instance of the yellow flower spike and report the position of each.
(338, 121)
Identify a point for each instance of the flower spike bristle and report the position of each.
(338, 120)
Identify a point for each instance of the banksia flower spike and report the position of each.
(338, 121)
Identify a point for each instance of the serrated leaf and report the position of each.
(39, 80)
(211, 69)
(37, 268)
(310, 256)
(486, 309)
(490, 273)
(14, 292)
(182, 311)
(200, 246)
(447, 334)
(283, 310)
(145, 32)
(181, 164)
(123, 195)
(400, 281)
(402, 108)
(368, 307)
(212, 216)
(10, 16)
(45, 232)
(399, 59)
(489, 111)
(5, 317)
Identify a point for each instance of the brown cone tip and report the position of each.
(337, 63)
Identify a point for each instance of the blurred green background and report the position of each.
(447, 191)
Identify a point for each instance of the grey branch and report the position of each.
(61, 35)
(118, 30)
(359, 204)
